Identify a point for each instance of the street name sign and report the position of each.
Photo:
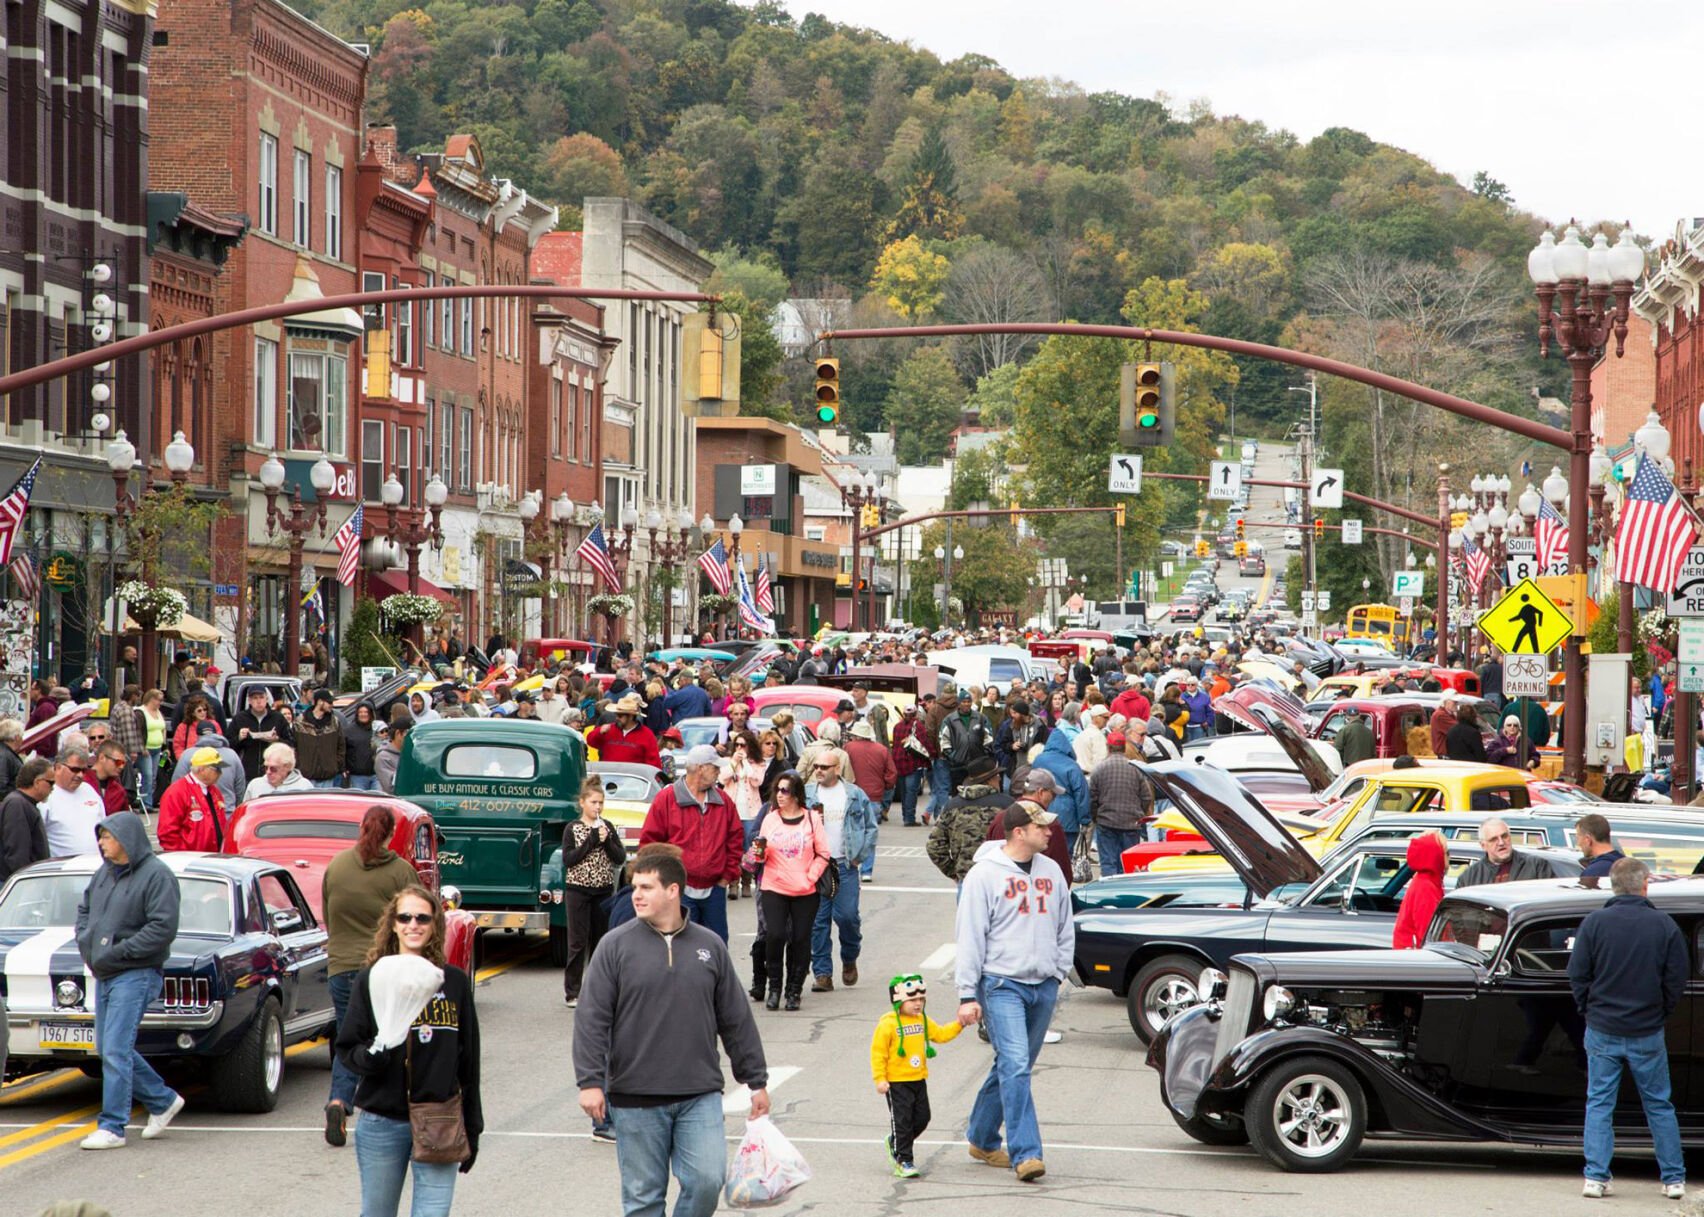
(1225, 480)
(1687, 598)
(1124, 473)
(1351, 532)
(1526, 676)
(1525, 621)
(1408, 583)
(1326, 488)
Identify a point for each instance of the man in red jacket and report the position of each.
(626, 739)
(192, 813)
(692, 814)
(1133, 703)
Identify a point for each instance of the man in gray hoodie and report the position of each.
(125, 925)
(1015, 944)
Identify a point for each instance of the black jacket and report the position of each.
(250, 749)
(441, 1054)
(1521, 866)
(23, 837)
(1628, 967)
(358, 749)
(10, 763)
(1463, 742)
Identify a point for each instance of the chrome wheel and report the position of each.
(1171, 995)
(274, 1057)
(1312, 1116)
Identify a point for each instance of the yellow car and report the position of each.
(628, 791)
(1446, 786)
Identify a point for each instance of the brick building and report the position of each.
(1668, 300)
(1624, 389)
(257, 110)
(73, 180)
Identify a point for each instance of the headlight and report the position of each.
(1212, 984)
(1279, 1002)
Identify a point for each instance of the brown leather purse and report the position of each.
(440, 1134)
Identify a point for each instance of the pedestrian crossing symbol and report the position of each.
(1525, 621)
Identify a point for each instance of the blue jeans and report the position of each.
(363, 781)
(1646, 1058)
(844, 912)
(384, 1150)
(125, 1076)
(329, 784)
(342, 1080)
(940, 786)
(910, 786)
(710, 911)
(1017, 1015)
(1112, 842)
(149, 769)
(687, 1138)
(867, 868)
(1194, 731)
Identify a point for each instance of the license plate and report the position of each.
(75, 1037)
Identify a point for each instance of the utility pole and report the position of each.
(1305, 453)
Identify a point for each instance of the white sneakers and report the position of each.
(157, 1125)
(154, 1129)
(1597, 1189)
(1674, 1191)
(102, 1139)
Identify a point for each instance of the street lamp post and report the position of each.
(1583, 298)
(121, 462)
(945, 557)
(296, 526)
(620, 551)
(410, 530)
(561, 515)
(668, 553)
(861, 494)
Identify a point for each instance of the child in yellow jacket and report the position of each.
(899, 1054)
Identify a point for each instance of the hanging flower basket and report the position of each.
(154, 608)
(611, 606)
(714, 603)
(405, 608)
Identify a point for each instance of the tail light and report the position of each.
(187, 993)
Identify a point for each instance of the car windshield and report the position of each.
(489, 761)
(695, 733)
(1473, 926)
(37, 902)
(626, 787)
(335, 830)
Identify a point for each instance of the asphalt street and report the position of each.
(1110, 1145)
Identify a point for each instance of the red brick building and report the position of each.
(1668, 300)
(1625, 389)
(257, 110)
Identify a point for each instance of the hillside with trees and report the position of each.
(818, 160)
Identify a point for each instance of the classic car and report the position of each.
(628, 791)
(809, 703)
(68, 717)
(894, 685)
(710, 729)
(304, 831)
(381, 697)
(1154, 956)
(1474, 1037)
(246, 975)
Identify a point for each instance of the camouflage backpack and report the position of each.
(961, 831)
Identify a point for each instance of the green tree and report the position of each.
(760, 277)
(928, 203)
(911, 278)
(923, 406)
(993, 574)
(760, 359)
(995, 396)
(979, 476)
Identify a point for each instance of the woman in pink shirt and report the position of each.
(794, 854)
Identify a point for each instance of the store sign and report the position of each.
(300, 473)
(757, 480)
(811, 557)
(63, 572)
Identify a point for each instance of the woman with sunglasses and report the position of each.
(795, 853)
(438, 1059)
(742, 783)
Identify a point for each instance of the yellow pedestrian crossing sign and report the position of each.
(1525, 621)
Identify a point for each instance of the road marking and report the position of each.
(938, 891)
(24, 1134)
(942, 956)
(499, 968)
(738, 1100)
(18, 1091)
(53, 1142)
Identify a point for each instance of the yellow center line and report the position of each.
(35, 1130)
(53, 1142)
(499, 969)
(20, 1091)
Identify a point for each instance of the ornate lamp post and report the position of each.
(409, 529)
(668, 553)
(296, 526)
(561, 516)
(1583, 298)
(858, 494)
(121, 462)
(620, 550)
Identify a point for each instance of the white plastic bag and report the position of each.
(765, 1167)
(400, 987)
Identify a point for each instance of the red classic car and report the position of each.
(303, 831)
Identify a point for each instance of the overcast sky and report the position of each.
(1501, 85)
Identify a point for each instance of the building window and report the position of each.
(428, 314)
(464, 475)
(588, 402)
(374, 281)
(269, 184)
(404, 355)
(467, 328)
(427, 451)
(555, 417)
(402, 448)
(265, 393)
(302, 193)
(334, 212)
(816, 532)
(447, 321)
(318, 389)
(446, 441)
(372, 460)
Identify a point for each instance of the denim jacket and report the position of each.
(859, 835)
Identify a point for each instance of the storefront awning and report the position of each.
(382, 583)
(189, 628)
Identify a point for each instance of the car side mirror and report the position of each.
(286, 921)
(450, 895)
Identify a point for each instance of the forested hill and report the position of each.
(802, 150)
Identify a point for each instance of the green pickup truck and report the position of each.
(501, 791)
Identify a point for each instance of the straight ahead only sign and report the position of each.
(1224, 480)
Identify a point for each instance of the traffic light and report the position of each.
(1119, 514)
(1319, 529)
(1017, 513)
(1145, 404)
(1242, 549)
(1241, 531)
(1202, 549)
(828, 392)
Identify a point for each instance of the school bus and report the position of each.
(1381, 622)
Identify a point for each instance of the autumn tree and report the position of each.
(911, 279)
(989, 286)
(578, 167)
(923, 407)
(928, 201)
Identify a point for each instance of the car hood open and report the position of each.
(1247, 836)
(1265, 710)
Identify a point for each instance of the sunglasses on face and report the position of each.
(78, 768)
(414, 918)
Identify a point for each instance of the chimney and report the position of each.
(381, 141)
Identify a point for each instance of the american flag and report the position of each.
(714, 563)
(13, 509)
(24, 576)
(348, 542)
(1478, 564)
(596, 553)
(1550, 532)
(765, 594)
(1656, 530)
(749, 614)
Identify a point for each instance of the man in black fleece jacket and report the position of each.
(654, 1072)
(1628, 969)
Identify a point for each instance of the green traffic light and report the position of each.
(825, 414)
(1147, 421)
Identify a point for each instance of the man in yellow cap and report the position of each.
(192, 814)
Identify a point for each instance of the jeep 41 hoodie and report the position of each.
(1013, 923)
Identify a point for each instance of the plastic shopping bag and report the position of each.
(765, 1167)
